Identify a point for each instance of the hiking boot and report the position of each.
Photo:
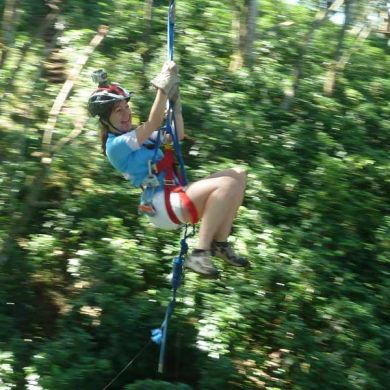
(225, 251)
(200, 262)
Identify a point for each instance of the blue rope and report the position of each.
(171, 29)
(170, 44)
(170, 124)
(171, 120)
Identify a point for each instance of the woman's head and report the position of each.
(110, 103)
(106, 97)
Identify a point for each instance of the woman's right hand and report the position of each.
(168, 79)
(169, 66)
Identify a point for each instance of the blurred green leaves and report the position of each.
(84, 278)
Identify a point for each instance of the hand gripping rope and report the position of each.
(159, 335)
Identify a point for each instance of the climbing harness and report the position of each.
(174, 180)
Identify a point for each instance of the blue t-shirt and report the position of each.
(131, 159)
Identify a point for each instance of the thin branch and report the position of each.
(65, 90)
(79, 124)
(364, 33)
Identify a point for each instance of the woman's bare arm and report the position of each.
(179, 118)
(155, 119)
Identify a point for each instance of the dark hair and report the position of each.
(104, 130)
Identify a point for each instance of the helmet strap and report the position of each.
(111, 128)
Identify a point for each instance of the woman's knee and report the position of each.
(239, 170)
(240, 175)
(231, 187)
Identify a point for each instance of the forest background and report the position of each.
(298, 94)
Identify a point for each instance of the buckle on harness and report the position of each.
(150, 181)
(169, 182)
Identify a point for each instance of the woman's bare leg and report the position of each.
(217, 199)
(226, 226)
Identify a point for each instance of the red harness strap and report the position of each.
(167, 165)
(188, 204)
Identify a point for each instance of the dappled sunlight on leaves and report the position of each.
(84, 278)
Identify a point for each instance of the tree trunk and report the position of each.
(342, 56)
(148, 17)
(387, 25)
(330, 79)
(251, 33)
(65, 90)
(244, 33)
(344, 59)
(238, 27)
(8, 30)
(321, 16)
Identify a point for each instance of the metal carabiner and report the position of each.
(151, 180)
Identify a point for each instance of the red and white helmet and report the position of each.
(103, 100)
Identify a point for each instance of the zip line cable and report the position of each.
(128, 365)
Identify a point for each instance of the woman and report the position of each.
(213, 200)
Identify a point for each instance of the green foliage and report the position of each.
(84, 279)
(6, 362)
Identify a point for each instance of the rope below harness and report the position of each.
(159, 335)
